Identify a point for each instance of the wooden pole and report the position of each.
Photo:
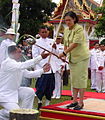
(59, 25)
(61, 19)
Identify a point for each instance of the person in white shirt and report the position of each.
(10, 36)
(46, 83)
(12, 96)
(59, 72)
(93, 65)
(100, 72)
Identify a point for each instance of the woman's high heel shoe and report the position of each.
(78, 107)
(72, 105)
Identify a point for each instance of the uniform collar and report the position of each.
(44, 39)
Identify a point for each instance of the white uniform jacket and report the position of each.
(93, 59)
(100, 60)
(11, 73)
(4, 49)
(60, 49)
(47, 44)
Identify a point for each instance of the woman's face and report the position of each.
(69, 21)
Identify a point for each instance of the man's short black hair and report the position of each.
(12, 49)
(101, 44)
(43, 27)
(96, 43)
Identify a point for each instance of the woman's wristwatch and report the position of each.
(64, 53)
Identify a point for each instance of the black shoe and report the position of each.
(98, 91)
(72, 105)
(39, 106)
(71, 97)
(78, 107)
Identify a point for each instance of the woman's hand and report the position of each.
(63, 57)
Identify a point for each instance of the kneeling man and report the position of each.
(12, 96)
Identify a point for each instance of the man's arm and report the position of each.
(36, 73)
(33, 74)
(35, 51)
(12, 65)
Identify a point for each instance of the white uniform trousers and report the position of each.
(58, 82)
(26, 99)
(100, 84)
(93, 78)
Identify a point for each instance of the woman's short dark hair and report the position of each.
(12, 49)
(73, 15)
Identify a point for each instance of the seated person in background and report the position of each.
(12, 96)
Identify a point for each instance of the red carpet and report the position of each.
(87, 94)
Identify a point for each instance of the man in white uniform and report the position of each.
(12, 96)
(100, 72)
(59, 72)
(10, 34)
(93, 65)
(46, 83)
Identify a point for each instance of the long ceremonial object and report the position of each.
(52, 53)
